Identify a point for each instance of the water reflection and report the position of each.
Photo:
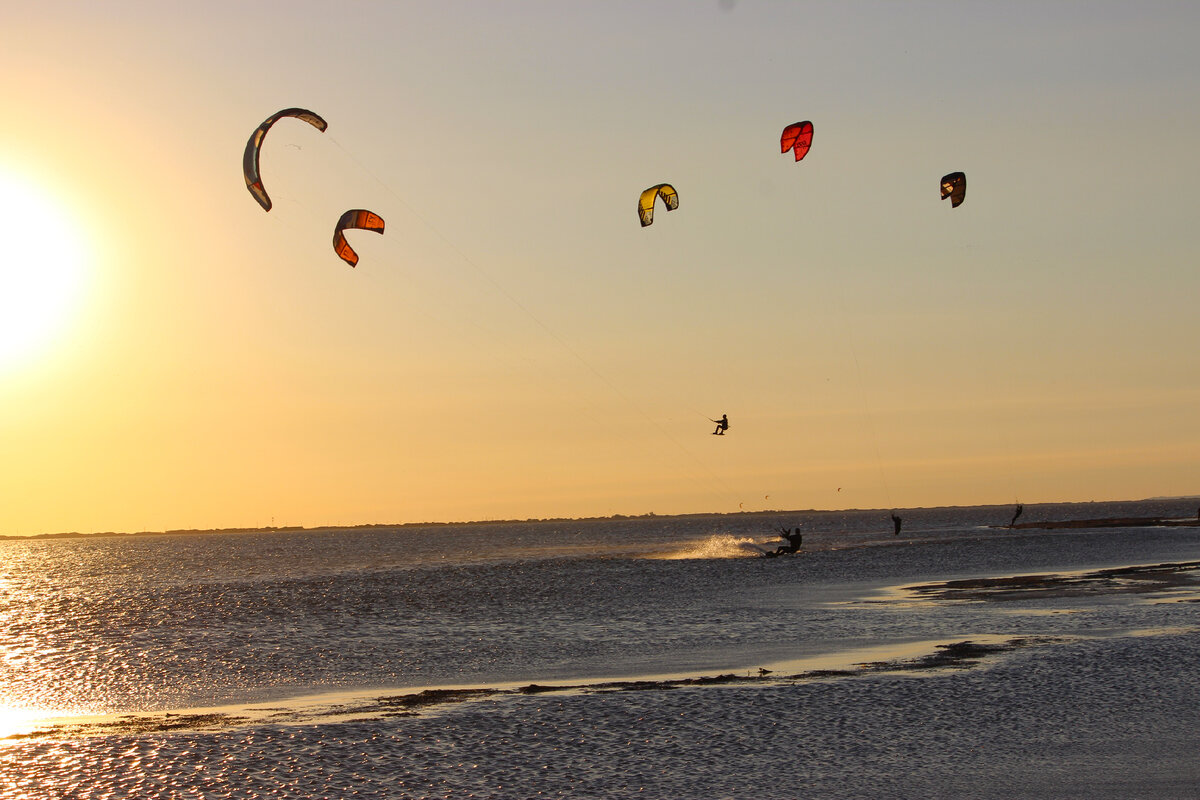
(17, 723)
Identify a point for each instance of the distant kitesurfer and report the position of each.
(793, 538)
(896, 521)
(722, 425)
(1016, 514)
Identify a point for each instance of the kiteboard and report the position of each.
(773, 553)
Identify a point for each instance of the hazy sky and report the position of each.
(515, 344)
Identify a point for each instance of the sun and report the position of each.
(43, 265)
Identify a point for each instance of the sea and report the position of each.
(647, 657)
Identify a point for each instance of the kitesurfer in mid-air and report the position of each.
(722, 425)
(897, 522)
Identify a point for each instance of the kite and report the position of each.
(646, 202)
(354, 218)
(954, 186)
(797, 137)
(254, 145)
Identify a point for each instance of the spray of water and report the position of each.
(720, 545)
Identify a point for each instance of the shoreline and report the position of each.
(1103, 522)
(1107, 522)
(345, 706)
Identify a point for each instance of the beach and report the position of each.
(653, 657)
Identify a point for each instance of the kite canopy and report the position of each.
(646, 201)
(254, 145)
(954, 186)
(797, 137)
(354, 218)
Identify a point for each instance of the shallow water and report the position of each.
(164, 624)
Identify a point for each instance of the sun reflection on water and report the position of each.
(22, 718)
(16, 722)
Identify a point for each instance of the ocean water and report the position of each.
(650, 657)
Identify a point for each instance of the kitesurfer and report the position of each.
(1016, 514)
(793, 538)
(722, 425)
(896, 521)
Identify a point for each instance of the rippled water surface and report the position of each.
(287, 664)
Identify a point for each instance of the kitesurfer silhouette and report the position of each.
(896, 521)
(793, 538)
(722, 425)
(1016, 514)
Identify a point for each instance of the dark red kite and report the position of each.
(797, 137)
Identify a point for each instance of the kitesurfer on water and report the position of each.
(722, 425)
(793, 539)
(1016, 514)
(896, 521)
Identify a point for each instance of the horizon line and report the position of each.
(536, 520)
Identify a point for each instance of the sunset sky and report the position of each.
(515, 344)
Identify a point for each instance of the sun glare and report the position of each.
(15, 722)
(42, 269)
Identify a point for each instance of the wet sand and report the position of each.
(1177, 579)
(337, 707)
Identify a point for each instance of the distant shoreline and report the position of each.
(382, 525)
(1106, 522)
